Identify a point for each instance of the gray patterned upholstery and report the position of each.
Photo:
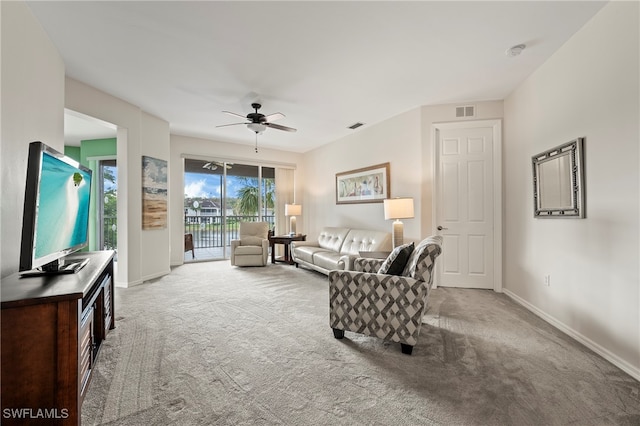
(363, 264)
(386, 306)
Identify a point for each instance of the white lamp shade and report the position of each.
(398, 208)
(292, 209)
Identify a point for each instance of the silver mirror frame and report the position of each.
(575, 151)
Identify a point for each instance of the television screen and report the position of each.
(56, 209)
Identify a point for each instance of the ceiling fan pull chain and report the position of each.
(256, 142)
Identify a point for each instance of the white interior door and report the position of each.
(468, 203)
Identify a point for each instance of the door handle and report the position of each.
(440, 228)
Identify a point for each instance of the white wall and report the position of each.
(405, 142)
(397, 141)
(32, 86)
(154, 140)
(589, 89)
(138, 133)
(188, 147)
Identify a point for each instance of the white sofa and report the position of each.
(337, 248)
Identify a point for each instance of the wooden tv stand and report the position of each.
(52, 330)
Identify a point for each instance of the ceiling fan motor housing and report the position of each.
(257, 122)
(256, 117)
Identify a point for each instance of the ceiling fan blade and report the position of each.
(280, 127)
(275, 116)
(232, 124)
(210, 166)
(220, 164)
(234, 114)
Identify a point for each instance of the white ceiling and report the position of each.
(324, 64)
(79, 127)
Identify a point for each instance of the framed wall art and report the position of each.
(154, 193)
(366, 185)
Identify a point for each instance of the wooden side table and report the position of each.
(286, 241)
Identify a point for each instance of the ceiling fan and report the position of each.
(213, 165)
(258, 122)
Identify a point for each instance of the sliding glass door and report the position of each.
(107, 205)
(218, 195)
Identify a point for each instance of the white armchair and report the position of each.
(252, 248)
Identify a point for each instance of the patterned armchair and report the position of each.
(390, 307)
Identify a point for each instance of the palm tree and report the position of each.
(248, 195)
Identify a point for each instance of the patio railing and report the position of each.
(207, 230)
(109, 229)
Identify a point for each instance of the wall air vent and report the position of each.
(466, 111)
(356, 125)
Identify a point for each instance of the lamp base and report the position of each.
(292, 226)
(398, 231)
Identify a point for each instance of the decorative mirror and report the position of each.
(558, 182)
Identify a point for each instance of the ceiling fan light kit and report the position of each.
(256, 127)
(258, 122)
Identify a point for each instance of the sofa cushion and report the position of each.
(397, 260)
(306, 252)
(331, 238)
(251, 241)
(358, 240)
(248, 250)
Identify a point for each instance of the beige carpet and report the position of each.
(212, 344)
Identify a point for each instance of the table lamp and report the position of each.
(398, 208)
(292, 210)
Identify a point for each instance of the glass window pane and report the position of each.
(218, 196)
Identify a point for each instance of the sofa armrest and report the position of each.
(338, 278)
(365, 264)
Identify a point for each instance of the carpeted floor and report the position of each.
(212, 344)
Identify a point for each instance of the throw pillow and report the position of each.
(395, 263)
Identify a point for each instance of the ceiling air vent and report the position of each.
(356, 125)
(466, 111)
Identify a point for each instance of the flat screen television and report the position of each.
(56, 212)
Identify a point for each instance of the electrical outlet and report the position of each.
(547, 280)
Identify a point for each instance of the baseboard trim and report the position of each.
(142, 280)
(154, 276)
(603, 352)
(127, 284)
